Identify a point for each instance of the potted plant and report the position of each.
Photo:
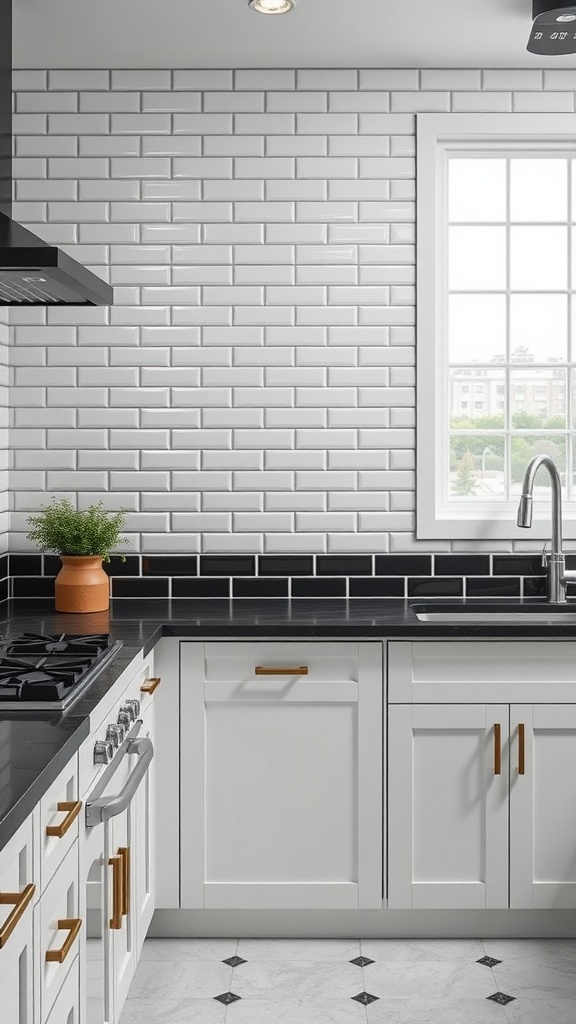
(83, 540)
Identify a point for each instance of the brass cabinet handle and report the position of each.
(117, 865)
(72, 925)
(73, 808)
(263, 670)
(497, 748)
(124, 854)
(20, 900)
(149, 685)
(521, 749)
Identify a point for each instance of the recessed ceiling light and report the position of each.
(272, 6)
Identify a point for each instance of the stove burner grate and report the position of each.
(65, 643)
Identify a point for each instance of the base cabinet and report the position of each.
(281, 760)
(481, 806)
(19, 889)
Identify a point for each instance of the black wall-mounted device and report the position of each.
(554, 28)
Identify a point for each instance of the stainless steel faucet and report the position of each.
(558, 575)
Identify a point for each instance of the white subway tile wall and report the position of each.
(4, 431)
(252, 389)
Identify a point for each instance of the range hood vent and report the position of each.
(33, 273)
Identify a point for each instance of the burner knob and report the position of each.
(124, 719)
(129, 709)
(135, 704)
(103, 752)
(115, 733)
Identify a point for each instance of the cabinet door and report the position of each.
(18, 891)
(543, 806)
(124, 958)
(447, 806)
(281, 797)
(143, 850)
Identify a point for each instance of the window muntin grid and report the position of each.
(515, 398)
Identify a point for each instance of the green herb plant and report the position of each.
(64, 529)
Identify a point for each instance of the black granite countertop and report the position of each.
(35, 747)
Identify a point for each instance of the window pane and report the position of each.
(524, 448)
(477, 258)
(538, 189)
(538, 328)
(477, 328)
(538, 257)
(477, 399)
(538, 399)
(477, 468)
(477, 190)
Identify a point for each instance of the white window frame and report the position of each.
(438, 134)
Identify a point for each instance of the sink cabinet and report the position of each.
(481, 796)
(281, 784)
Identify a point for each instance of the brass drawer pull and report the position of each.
(149, 685)
(20, 900)
(73, 807)
(117, 865)
(263, 670)
(124, 854)
(521, 749)
(497, 749)
(72, 925)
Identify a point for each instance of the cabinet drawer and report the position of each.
(60, 811)
(66, 1009)
(274, 663)
(58, 928)
(491, 671)
(20, 891)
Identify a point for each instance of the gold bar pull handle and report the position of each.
(72, 925)
(117, 865)
(264, 670)
(124, 854)
(73, 808)
(20, 901)
(521, 749)
(149, 685)
(497, 748)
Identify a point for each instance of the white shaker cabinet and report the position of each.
(281, 784)
(481, 796)
(18, 892)
(543, 806)
(448, 806)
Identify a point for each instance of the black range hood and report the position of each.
(33, 273)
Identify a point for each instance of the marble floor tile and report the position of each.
(540, 1011)
(427, 950)
(297, 982)
(429, 980)
(284, 950)
(263, 1011)
(553, 981)
(176, 979)
(173, 1011)
(435, 1011)
(188, 949)
(531, 950)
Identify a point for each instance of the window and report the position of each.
(497, 308)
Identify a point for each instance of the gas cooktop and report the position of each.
(46, 673)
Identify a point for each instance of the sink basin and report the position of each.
(523, 614)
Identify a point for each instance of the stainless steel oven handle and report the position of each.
(108, 807)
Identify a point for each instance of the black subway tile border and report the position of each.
(239, 576)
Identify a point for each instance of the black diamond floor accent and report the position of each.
(227, 998)
(487, 961)
(501, 998)
(361, 961)
(235, 961)
(365, 998)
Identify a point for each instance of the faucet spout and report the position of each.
(556, 561)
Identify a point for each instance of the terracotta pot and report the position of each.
(82, 585)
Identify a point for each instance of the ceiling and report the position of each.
(320, 33)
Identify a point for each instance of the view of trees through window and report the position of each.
(510, 329)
